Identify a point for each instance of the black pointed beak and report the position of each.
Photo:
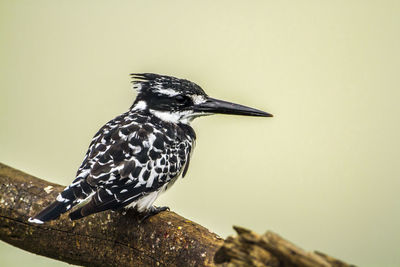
(213, 105)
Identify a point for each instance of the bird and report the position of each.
(140, 154)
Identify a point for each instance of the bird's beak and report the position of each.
(212, 105)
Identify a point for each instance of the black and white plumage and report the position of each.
(138, 155)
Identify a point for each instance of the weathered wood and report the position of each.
(104, 239)
(116, 239)
(251, 249)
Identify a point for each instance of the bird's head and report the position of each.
(178, 100)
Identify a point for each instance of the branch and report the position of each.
(269, 250)
(116, 239)
(103, 239)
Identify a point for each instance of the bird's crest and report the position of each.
(155, 82)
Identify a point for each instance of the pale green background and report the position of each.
(324, 172)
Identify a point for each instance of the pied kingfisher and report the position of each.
(138, 155)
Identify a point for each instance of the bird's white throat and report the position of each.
(174, 117)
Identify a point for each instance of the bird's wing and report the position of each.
(129, 160)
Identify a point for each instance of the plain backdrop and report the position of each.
(324, 172)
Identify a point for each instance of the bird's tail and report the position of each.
(64, 202)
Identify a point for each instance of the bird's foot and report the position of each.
(152, 211)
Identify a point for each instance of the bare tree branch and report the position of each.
(105, 239)
(269, 250)
(114, 239)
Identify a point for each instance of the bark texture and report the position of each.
(269, 250)
(104, 239)
(116, 239)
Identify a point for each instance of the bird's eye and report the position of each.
(180, 99)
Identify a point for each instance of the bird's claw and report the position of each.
(153, 211)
